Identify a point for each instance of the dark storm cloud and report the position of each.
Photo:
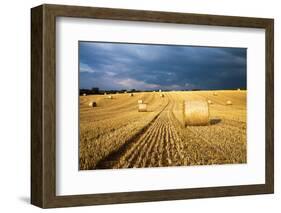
(151, 67)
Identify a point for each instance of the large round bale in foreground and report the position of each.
(196, 113)
(93, 104)
(142, 108)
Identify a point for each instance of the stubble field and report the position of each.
(115, 135)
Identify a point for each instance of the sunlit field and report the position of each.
(114, 133)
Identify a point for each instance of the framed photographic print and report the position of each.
(135, 106)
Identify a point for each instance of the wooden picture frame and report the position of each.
(43, 105)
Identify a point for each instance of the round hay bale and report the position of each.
(238, 89)
(110, 97)
(160, 90)
(196, 113)
(84, 94)
(142, 107)
(210, 102)
(162, 95)
(131, 94)
(140, 101)
(92, 104)
(215, 94)
(105, 93)
(229, 103)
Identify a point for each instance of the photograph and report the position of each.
(161, 105)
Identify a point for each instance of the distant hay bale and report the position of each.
(84, 94)
(140, 101)
(92, 104)
(215, 93)
(229, 103)
(125, 92)
(105, 93)
(160, 90)
(196, 113)
(238, 89)
(162, 95)
(142, 107)
(109, 97)
(210, 102)
(131, 94)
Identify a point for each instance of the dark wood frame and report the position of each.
(43, 105)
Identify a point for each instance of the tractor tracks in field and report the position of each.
(113, 157)
(156, 145)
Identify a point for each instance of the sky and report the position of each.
(117, 66)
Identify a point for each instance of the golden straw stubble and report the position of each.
(196, 113)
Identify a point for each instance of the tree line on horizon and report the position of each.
(97, 91)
